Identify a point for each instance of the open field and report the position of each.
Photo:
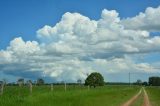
(74, 96)
(154, 95)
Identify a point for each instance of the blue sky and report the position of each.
(24, 18)
(24, 21)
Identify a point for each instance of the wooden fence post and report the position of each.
(88, 87)
(51, 87)
(30, 87)
(65, 86)
(2, 88)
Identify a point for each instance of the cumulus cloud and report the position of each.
(149, 20)
(78, 45)
(78, 34)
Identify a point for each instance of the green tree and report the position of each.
(154, 81)
(79, 81)
(145, 83)
(40, 81)
(94, 79)
(20, 82)
(139, 82)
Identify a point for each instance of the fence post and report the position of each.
(30, 87)
(88, 87)
(2, 88)
(51, 87)
(65, 86)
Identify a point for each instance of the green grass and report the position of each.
(74, 96)
(154, 95)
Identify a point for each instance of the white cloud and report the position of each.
(18, 46)
(149, 20)
(78, 33)
(110, 16)
(5, 57)
(78, 45)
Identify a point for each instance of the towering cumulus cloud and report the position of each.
(78, 45)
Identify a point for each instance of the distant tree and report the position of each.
(40, 81)
(145, 83)
(94, 79)
(62, 82)
(20, 81)
(79, 81)
(1, 82)
(35, 82)
(29, 82)
(154, 81)
(139, 82)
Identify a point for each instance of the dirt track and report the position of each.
(134, 98)
(146, 99)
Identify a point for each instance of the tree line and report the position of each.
(154, 81)
(94, 79)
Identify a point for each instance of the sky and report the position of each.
(61, 40)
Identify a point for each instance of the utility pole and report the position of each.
(88, 85)
(129, 78)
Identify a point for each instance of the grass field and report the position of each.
(154, 95)
(74, 96)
